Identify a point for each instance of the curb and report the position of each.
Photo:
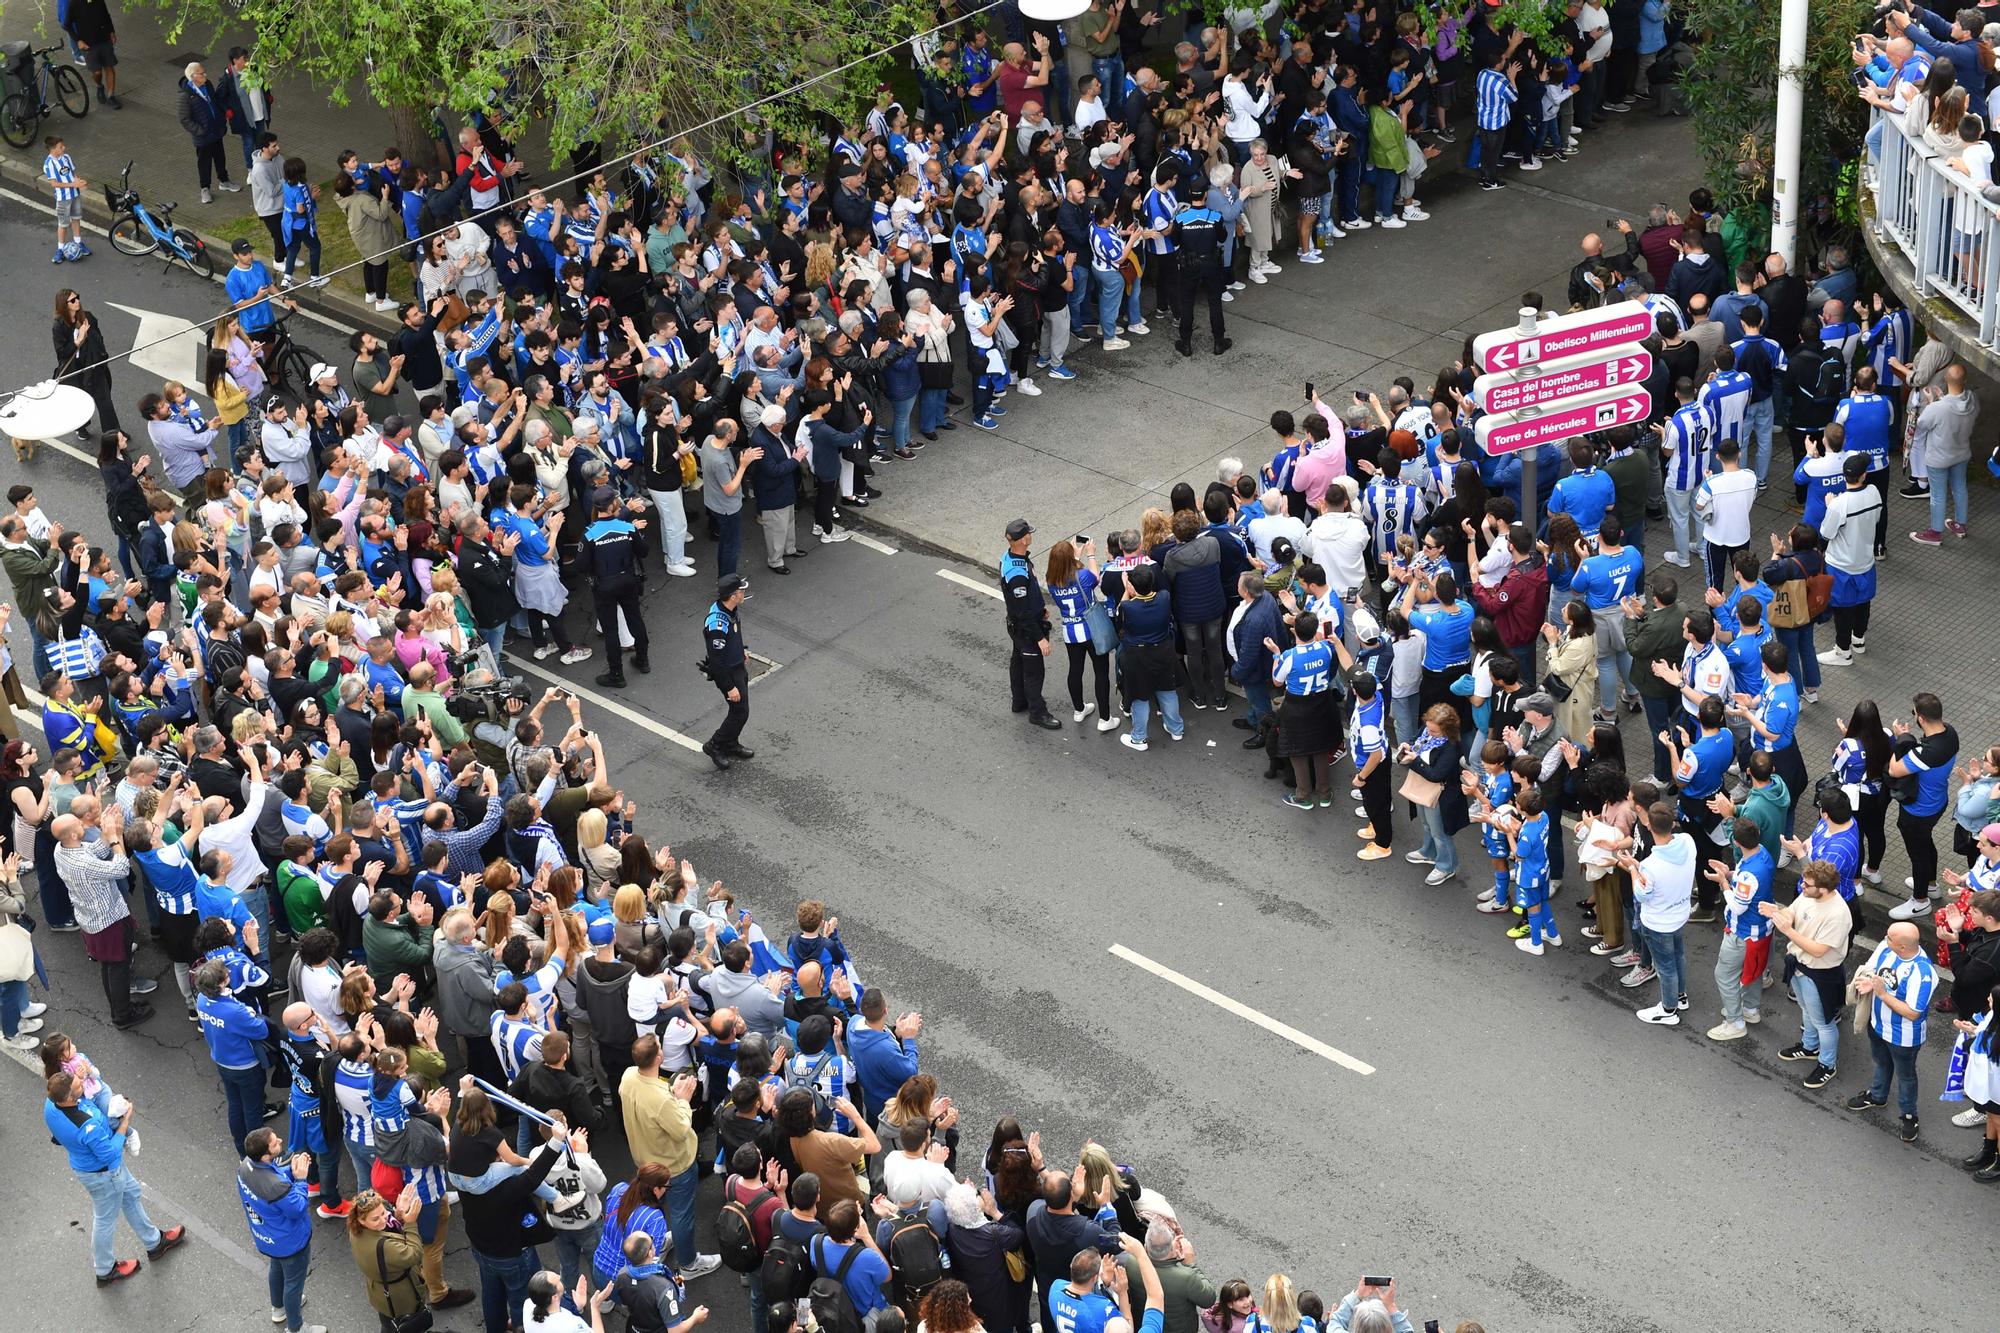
(324, 301)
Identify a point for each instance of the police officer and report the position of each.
(615, 547)
(722, 636)
(1199, 233)
(1027, 627)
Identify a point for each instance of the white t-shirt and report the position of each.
(559, 1320)
(932, 1179)
(1723, 500)
(320, 988)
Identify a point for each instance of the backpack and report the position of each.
(736, 1232)
(784, 1275)
(914, 1261)
(1830, 385)
(832, 1308)
(809, 1080)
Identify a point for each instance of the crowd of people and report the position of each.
(1382, 591)
(418, 903)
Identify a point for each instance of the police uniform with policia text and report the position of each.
(1199, 234)
(614, 548)
(1027, 627)
(723, 662)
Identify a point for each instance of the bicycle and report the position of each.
(137, 230)
(22, 113)
(288, 364)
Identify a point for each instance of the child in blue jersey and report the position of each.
(1491, 792)
(1528, 835)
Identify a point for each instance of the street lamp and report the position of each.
(45, 411)
(1053, 11)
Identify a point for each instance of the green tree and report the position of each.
(1732, 93)
(616, 72)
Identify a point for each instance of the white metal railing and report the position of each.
(1935, 215)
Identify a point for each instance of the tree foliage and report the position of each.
(1732, 94)
(593, 71)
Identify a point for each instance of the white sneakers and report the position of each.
(1310, 257)
(1257, 276)
(1130, 744)
(834, 535)
(1411, 213)
(1836, 657)
(1659, 1016)
(1726, 1031)
(1909, 909)
(1083, 712)
(1109, 722)
(577, 654)
(684, 570)
(1392, 222)
(1030, 388)
(1141, 328)
(1115, 344)
(703, 1265)
(545, 651)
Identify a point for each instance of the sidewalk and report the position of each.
(148, 134)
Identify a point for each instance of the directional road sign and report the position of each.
(1532, 427)
(1552, 381)
(1565, 337)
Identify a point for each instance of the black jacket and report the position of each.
(979, 1260)
(505, 1220)
(548, 1089)
(1975, 969)
(489, 586)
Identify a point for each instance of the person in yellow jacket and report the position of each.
(659, 1127)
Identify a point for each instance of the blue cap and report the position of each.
(602, 931)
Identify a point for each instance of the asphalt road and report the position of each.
(1524, 1152)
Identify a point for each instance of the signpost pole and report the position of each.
(1528, 316)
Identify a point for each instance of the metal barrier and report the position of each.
(1934, 213)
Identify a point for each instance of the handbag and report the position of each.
(690, 470)
(1103, 634)
(17, 952)
(1420, 790)
(1557, 688)
(1017, 1265)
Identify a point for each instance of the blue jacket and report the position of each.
(1932, 32)
(235, 1032)
(881, 1062)
(92, 1142)
(776, 474)
(1235, 557)
(1349, 115)
(826, 446)
(275, 1206)
(1652, 27)
(899, 376)
(1260, 622)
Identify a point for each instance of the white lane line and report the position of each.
(610, 705)
(48, 206)
(91, 460)
(973, 584)
(871, 543)
(1244, 1011)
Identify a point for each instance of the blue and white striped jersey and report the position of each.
(1727, 398)
(516, 1042)
(1690, 434)
(1890, 339)
(353, 1084)
(58, 169)
(1393, 509)
(172, 876)
(1495, 100)
(1366, 728)
(541, 987)
(1159, 208)
(1911, 980)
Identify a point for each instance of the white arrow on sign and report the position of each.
(167, 346)
(1552, 381)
